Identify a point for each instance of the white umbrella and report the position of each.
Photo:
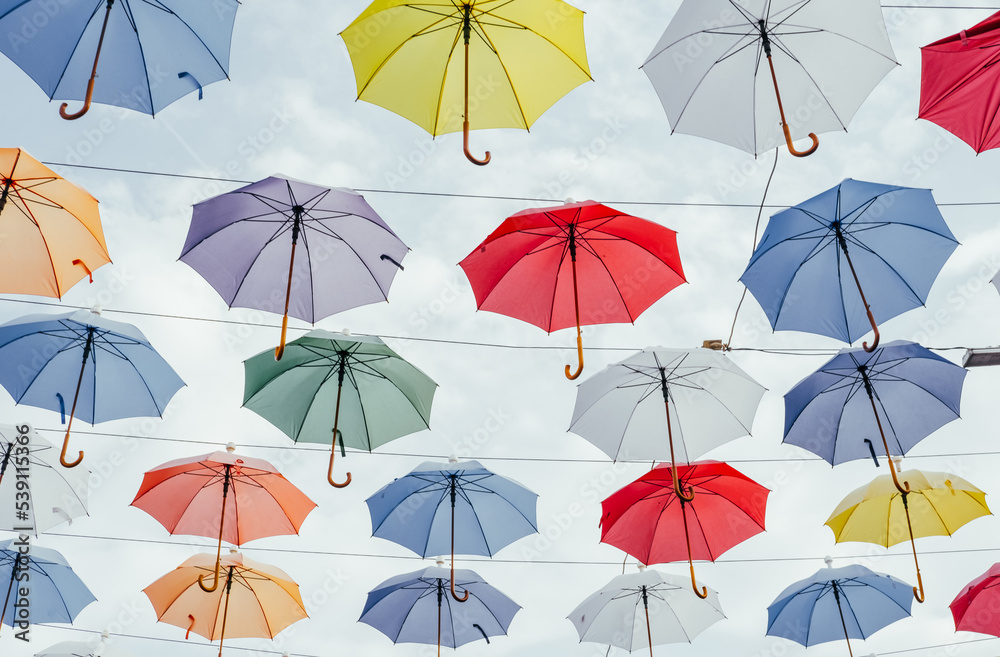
(622, 409)
(647, 608)
(825, 56)
(83, 649)
(55, 494)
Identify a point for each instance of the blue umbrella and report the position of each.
(115, 371)
(901, 392)
(156, 50)
(862, 600)
(420, 510)
(807, 272)
(416, 608)
(54, 592)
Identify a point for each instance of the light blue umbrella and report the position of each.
(55, 593)
(416, 608)
(850, 602)
(857, 254)
(155, 51)
(421, 510)
(107, 368)
(900, 392)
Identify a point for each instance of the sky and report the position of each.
(290, 108)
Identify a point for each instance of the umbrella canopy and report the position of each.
(82, 649)
(645, 517)
(56, 494)
(706, 65)
(154, 52)
(355, 384)
(647, 608)
(416, 608)
(117, 373)
(57, 595)
(255, 600)
(849, 602)
(240, 241)
(958, 82)
(893, 240)
(975, 607)
(421, 510)
(901, 392)
(937, 504)
(237, 497)
(516, 57)
(53, 236)
(575, 264)
(698, 395)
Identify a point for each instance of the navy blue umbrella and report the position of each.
(155, 51)
(421, 510)
(107, 368)
(855, 255)
(901, 393)
(416, 608)
(850, 602)
(54, 592)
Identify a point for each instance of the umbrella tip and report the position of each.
(233, 550)
(231, 447)
(346, 331)
(641, 566)
(569, 200)
(96, 309)
(439, 561)
(452, 459)
(828, 560)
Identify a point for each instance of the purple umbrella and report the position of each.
(240, 241)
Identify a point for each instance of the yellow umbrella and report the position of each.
(938, 504)
(50, 228)
(517, 58)
(254, 599)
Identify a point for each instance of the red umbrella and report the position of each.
(575, 264)
(960, 86)
(237, 497)
(644, 517)
(977, 607)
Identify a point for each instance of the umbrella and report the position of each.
(420, 510)
(671, 613)
(699, 395)
(937, 505)
(828, 55)
(117, 373)
(862, 600)
(384, 398)
(183, 495)
(416, 608)
(975, 607)
(82, 649)
(835, 411)
(958, 83)
(239, 242)
(899, 242)
(54, 494)
(723, 508)
(156, 52)
(521, 55)
(52, 231)
(264, 599)
(581, 263)
(55, 592)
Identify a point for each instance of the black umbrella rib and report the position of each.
(127, 9)
(361, 403)
(97, 7)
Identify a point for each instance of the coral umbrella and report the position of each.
(645, 518)
(937, 504)
(976, 608)
(575, 264)
(670, 611)
(52, 231)
(263, 599)
(958, 83)
(193, 495)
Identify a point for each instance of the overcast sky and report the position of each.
(290, 108)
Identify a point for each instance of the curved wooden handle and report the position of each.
(703, 593)
(215, 582)
(329, 472)
(62, 455)
(871, 320)
(465, 147)
(453, 594)
(579, 353)
(83, 110)
(279, 351)
(791, 148)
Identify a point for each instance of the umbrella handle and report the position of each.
(579, 353)
(465, 125)
(279, 351)
(329, 472)
(703, 593)
(871, 320)
(336, 434)
(788, 141)
(465, 147)
(453, 594)
(62, 455)
(93, 74)
(918, 593)
(215, 582)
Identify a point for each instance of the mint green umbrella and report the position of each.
(331, 386)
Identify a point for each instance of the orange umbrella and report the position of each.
(256, 600)
(52, 234)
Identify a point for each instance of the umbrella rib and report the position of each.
(361, 402)
(196, 36)
(41, 234)
(281, 229)
(72, 53)
(127, 9)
